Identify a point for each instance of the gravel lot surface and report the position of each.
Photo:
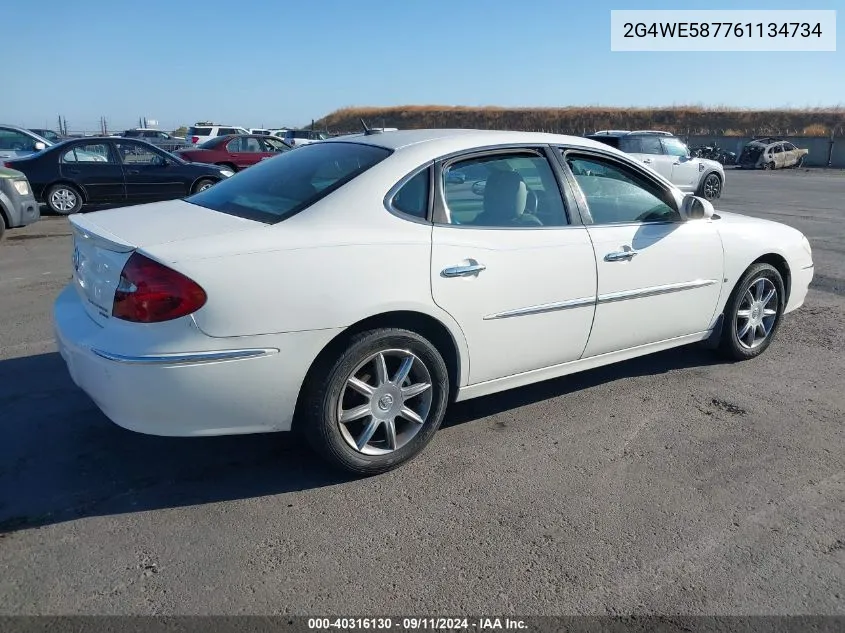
(674, 484)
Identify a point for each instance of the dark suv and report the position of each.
(670, 157)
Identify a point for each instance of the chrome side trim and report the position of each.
(546, 307)
(652, 291)
(186, 358)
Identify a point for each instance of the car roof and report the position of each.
(447, 140)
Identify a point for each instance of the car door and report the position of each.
(93, 167)
(659, 277)
(272, 147)
(244, 151)
(653, 157)
(510, 264)
(686, 170)
(778, 155)
(150, 174)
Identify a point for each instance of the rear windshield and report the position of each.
(276, 189)
(199, 131)
(214, 141)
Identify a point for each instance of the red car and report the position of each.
(236, 151)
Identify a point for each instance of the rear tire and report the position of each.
(391, 386)
(64, 199)
(752, 314)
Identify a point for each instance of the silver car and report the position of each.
(16, 142)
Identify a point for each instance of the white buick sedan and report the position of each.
(353, 288)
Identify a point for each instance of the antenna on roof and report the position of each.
(368, 131)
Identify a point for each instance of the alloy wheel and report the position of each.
(63, 200)
(712, 186)
(757, 313)
(385, 402)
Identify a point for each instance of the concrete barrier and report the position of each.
(820, 148)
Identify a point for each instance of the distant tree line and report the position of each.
(680, 120)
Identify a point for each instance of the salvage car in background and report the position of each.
(235, 151)
(127, 170)
(771, 153)
(671, 158)
(352, 289)
(18, 206)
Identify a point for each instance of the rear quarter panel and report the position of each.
(341, 261)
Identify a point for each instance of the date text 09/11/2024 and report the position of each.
(422, 624)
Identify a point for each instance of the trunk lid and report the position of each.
(103, 242)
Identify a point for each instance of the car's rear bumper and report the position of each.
(244, 385)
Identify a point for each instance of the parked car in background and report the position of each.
(17, 141)
(771, 153)
(236, 152)
(129, 170)
(158, 138)
(18, 206)
(50, 135)
(670, 157)
(295, 138)
(260, 130)
(272, 298)
(200, 132)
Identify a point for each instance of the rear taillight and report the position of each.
(195, 139)
(149, 292)
(9, 165)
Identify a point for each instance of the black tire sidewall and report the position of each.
(730, 345)
(64, 186)
(321, 426)
(703, 192)
(200, 182)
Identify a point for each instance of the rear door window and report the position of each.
(650, 145)
(274, 190)
(631, 145)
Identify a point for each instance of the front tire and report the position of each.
(753, 313)
(378, 403)
(203, 184)
(64, 199)
(711, 187)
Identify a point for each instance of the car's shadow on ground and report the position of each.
(61, 459)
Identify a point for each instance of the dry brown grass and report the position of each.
(682, 120)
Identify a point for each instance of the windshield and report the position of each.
(277, 189)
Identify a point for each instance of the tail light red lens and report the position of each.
(149, 292)
(9, 165)
(195, 139)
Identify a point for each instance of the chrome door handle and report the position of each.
(620, 256)
(463, 271)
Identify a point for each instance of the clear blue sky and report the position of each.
(284, 62)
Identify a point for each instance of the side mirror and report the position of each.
(39, 146)
(695, 208)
